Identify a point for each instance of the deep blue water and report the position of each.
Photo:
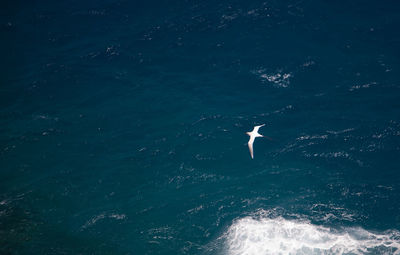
(122, 127)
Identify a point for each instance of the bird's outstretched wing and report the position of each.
(250, 144)
(256, 128)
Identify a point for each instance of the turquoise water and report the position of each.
(122, 127)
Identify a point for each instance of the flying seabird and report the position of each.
(253, 134)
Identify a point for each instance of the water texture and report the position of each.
(123, 127)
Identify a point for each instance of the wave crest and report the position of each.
(264, 236)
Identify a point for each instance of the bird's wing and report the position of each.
(250, 144)
(256, 128)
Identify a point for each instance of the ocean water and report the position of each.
(122, 127)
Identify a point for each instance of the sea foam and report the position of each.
(256, 236)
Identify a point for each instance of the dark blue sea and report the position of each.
(123, 127)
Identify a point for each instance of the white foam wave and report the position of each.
(255, 236)
(278, 79)
(363, 86)
(102, 216)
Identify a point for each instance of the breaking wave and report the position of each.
(262, 235)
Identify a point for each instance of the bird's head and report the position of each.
(248, 133)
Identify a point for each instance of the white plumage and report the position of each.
(253, 134)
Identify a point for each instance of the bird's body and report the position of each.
(253, 134)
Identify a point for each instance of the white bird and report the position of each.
(253, 134)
